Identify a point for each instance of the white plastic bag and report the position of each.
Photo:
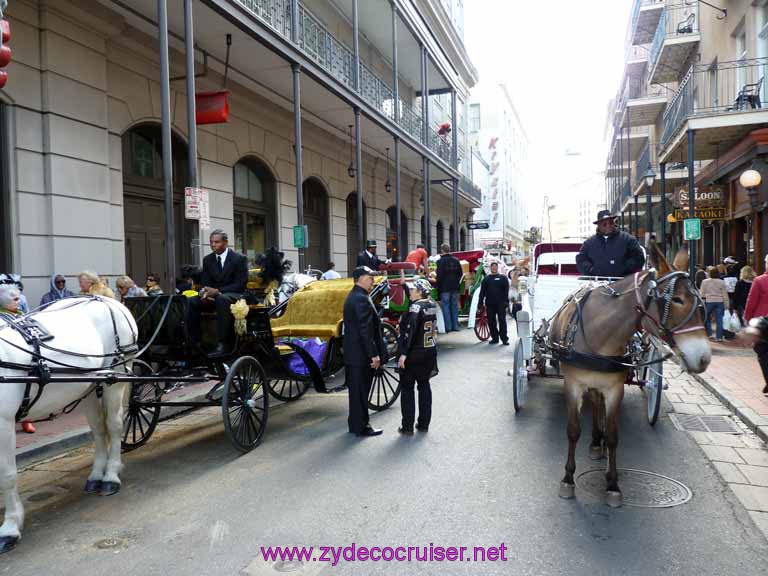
(735, 322)
(727, 321)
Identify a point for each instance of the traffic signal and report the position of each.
(5, 51)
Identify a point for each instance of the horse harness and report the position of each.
(35, 335)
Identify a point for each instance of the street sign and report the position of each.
(301, 236)
(205, 211)
(701, 214)
(197, 206)
(692, 230)
(478, 225)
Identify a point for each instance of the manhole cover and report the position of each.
(109, 543)
(639, 488)
(703, 423)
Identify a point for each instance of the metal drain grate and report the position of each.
(703, 423)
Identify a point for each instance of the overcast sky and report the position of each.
(562, 61)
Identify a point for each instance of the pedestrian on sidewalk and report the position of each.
(417, 347)
(10, 299)
(153, 287)
(364, 350)
(449, 275)
(91, 284)
(420, 257)
(494, 292)
(58, 290)
(127, 288)
(757, 307)
(330, 273)
(716, 302)
(741, 292)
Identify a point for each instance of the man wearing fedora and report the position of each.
(368, 256)
(610, 252)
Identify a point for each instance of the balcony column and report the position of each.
(395, 76)
(401, 243)
(356, 45)
(455, 240)
(629, 169)
(165, 119)
(189, 49)
(424, 97)
(637, 216)
(359, 173)
(663, 168)
(296, 70)
(692, 197)
(295, 21)
(455, 163)
(427, 202)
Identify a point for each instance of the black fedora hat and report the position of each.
(604, 215)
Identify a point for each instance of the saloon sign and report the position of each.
(705, 197)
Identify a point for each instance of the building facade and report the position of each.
(82, 161)
(691, 112)
(497, 133)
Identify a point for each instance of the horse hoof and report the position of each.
(92, 486)
(596, 453)
(613, 499)
(109, 488)
(567, 491)
(8, 543)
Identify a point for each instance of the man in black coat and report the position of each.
(224, 279)
(368, 256)
(494, 293)
(449, 275)
(364, 350)
(610, 253)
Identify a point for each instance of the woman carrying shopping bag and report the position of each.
(715, 298)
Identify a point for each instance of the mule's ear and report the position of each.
(657, 259)
(681, 260)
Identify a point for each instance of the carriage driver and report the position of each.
(611, 252)
(224, 279)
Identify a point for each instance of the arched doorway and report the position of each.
(392, 235)
(143, 204)
(317, 254)
(254, 207)
(352, 230)
(462, 239)
(439, 235)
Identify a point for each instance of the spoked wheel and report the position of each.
(140, 411)
(289, 388)
(482, 330)
(389, 335)
(245, 403)
(520, 384)
(653, 375)
(385, 389)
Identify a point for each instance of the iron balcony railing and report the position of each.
(337, 59)
(636, 6)
(710, 90)
(625, 191)
(471, 189)
(644, 162)
(676, 21)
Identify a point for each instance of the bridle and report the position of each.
(663, 298)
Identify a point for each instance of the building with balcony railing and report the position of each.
(346, 117)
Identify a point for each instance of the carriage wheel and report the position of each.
(389, 335)
(288, 388)
(385, 389)
(245, 403)
(520, 384)
(653, 375)
(140, 411)
(482, 330)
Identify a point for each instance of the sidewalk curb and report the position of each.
(754, 421)
(39, 451)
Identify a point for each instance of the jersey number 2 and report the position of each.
(429, 334)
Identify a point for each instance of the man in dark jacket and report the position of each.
(368, 256)
(449, 274)
(610, 253)
(494, 292)
(364, 350)
(224, 279)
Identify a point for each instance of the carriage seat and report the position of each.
(312, 313)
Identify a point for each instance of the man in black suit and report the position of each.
(224, 278)
(368, 256)
(364, 350)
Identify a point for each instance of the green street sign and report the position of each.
(692, 230)
(300, 236)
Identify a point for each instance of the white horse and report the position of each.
(98, 328)
(292, 283)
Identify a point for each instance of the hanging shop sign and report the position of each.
(212, 107)
(701, 213)
(705, 197)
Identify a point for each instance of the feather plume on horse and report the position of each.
(273, 268)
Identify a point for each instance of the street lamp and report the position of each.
(649, 177)
(751, 179)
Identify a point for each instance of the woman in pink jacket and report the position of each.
(757, 307)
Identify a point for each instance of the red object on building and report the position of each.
(212, 107)
(444, 129)
(5, 50)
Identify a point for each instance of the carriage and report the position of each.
(554, 278)
(281, 351)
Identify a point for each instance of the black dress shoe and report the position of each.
(370, 432)
(405, 431)
(422, 428)
(505, 342)
(493, 342)
(219, 351)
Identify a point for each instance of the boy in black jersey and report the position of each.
(418, 356)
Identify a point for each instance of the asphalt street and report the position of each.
(482, 476)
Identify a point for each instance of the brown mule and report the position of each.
(664, 303)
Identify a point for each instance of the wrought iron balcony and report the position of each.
(726, 89)
(471, 189)
(338, 60)
(645, 160)
(643, 21)
(675, 38)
